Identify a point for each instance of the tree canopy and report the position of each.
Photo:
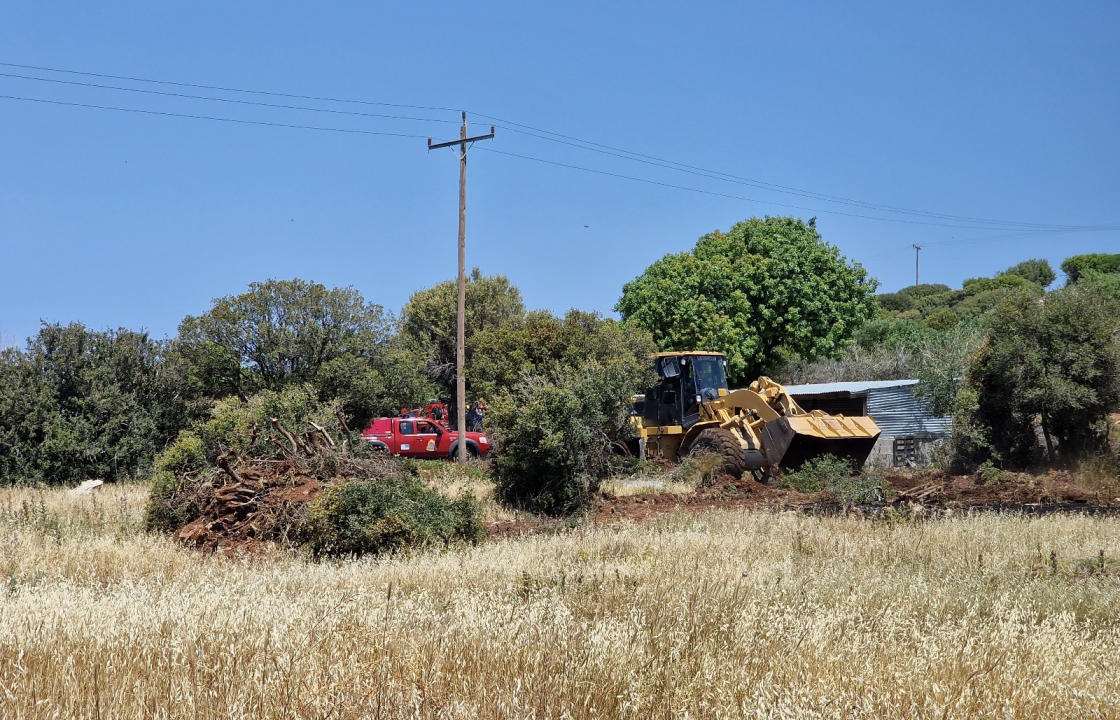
(1057, 360)
(78, 403)
(543, 345)
(288, 332)
(1037, 271)
(280, 331)
(428, 320)
(766, 289)
(1076, 266)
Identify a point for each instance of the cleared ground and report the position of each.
(726, 613)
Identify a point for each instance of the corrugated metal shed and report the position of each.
(890, 403)
(898, 413)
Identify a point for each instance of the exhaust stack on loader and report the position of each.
(760, 428)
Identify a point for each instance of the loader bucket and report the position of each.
(790, 441)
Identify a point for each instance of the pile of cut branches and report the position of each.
(239, 502)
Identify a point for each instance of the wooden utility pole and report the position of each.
(461, 309)
(917, 249)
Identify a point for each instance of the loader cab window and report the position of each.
(708, 374)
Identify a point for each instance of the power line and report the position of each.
(211, 117)
(227, 89)
(763, 185)
(766, 202)
(553, 136)
(647, 181)
(954, 221)
(227, 100)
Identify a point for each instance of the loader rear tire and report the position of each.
(723, 443)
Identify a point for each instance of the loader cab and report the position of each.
(685, 380)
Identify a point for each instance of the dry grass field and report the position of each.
(723, 614)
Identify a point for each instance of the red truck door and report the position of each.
(417, 439)
(402, 438)
(427, 439)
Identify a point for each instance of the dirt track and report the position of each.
(923, 491)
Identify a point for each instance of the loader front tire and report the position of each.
(723, 443)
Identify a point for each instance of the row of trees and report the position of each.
(1001, 353)
(78, 403)
(1028, 375)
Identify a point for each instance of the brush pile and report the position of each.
(242, 503)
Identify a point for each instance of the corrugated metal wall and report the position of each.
(898, 413)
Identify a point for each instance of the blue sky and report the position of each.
(1006, 111)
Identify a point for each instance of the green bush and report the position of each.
(942, 320)
(232, 422)
(185, 454)
(816, 474)
(556, 439)
(386, 515)
(863, 489)
(836, 476)
(168, 509)
(989, 474)
(1037, 271)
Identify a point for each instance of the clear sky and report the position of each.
(1006, 111)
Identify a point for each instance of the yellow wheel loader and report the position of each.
(759, 429)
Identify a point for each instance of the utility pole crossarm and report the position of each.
(461, 309)
(437, 146)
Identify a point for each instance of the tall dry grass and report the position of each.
(727, 614)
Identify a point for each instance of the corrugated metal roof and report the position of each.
(898, 413)
(858, 387)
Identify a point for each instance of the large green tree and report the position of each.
(1055, 362)
(428, 320)
(765, 290)
(1038, 271)
(288, 332)
(278, 332)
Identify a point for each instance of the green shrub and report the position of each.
(1037, 271)
(385, 515)
(185, 454)
(863, 489)
(245, 425)
(167, 511)
(942, 320)
(836, 476)
(817, 474)
(989, 474)
(556, 439)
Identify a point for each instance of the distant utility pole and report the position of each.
(461, 310)
(917, 250)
